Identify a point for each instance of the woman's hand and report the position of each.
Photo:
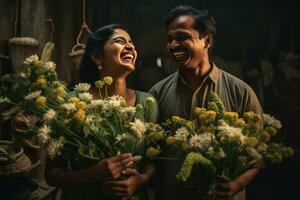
(126, 188)
(111, 168)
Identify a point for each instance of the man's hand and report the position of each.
(228, 189)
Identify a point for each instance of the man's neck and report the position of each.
(195, 77)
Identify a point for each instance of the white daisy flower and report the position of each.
(69, 106)
(231, 132)
(49, 66)
(92, 122)
(138, 127)
(121, 137)
(55, 146)
(181, 134)
(49, 115)
(43, 134)
(31, 59)
(87, 97)
(202, 141)
(95, 103)
(216, 154)
(33, 95)
(4, 100)
(271, 121)
(82, 87)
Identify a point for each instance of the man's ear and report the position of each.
(208, 41)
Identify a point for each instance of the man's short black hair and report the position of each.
(204, 22)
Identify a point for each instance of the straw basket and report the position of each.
(16, 163)
(19, 49)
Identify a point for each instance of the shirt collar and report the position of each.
(213, 75)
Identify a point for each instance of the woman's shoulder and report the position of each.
(142, 96)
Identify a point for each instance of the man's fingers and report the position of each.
(223, 186)
(222, 195)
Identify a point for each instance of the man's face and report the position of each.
(184, 44)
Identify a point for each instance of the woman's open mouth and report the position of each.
(127, 57)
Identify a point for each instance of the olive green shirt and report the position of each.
(175, 97)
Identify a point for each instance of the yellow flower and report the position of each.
(170, 140)
(252, 141)
(211, 115)
(240, 122)
(288, 152)
(156, 136)
(264, 137)
(99, 84)
(41, 81)
(190, 124)
(80, 105)
(80, 116)
(60, 91)
(38, 63)
(60, 99)
(41, 102)
(108, 80)
(152, 152)
(198, 110)
(272, 131)
(74, 100)
(175, 119)
(231, 116)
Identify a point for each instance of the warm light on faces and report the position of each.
(184, 44)
(119, 52)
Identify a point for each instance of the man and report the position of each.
(191, 34)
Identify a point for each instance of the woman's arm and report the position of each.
(104, 170)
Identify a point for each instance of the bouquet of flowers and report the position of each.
(73, 124)
(221, 145)
(25, 97)
(101, 128)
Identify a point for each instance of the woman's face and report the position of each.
(119, 52)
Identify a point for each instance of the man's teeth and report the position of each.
(179, 54)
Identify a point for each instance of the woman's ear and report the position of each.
(97, 60)
(209, 41)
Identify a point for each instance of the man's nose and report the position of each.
(173, 44)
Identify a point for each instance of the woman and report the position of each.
(109, 52)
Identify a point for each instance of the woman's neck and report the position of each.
(118, 87)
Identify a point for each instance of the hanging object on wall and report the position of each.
(48, 49)
(78, 49)
(21, 47)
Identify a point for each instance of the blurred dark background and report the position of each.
(257, 41)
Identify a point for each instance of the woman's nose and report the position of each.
(129, 46)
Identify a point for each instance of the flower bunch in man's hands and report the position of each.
(222, 145)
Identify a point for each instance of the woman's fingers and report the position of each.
(109, 184)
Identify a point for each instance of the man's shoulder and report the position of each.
(233, 81)
(166, 82)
